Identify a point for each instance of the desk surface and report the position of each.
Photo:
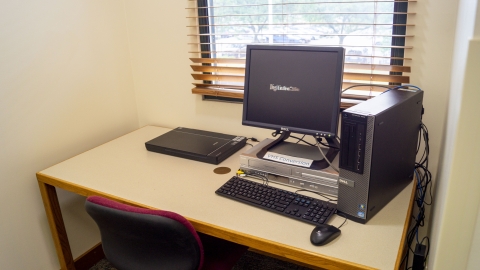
(124, 170)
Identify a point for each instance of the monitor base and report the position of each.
(318, 163)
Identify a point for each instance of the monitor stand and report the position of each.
(317, 164)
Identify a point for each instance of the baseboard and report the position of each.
(89, 258)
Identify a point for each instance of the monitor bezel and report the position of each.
(333, 132)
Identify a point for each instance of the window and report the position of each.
(373, 33)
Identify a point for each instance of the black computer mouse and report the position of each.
(323, 234)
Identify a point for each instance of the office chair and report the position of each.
(138, 238)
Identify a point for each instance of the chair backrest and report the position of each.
(138, 238)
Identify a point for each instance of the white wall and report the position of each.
(432, 63)
(65, 87)
(161, 70)
(455, 220)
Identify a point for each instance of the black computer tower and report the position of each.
(377, 154)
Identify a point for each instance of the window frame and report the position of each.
(397, 52)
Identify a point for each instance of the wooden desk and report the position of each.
(125, 171)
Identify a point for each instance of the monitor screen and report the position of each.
(293, 88)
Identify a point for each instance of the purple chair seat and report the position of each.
(138, 238)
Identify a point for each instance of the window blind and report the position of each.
(373, 33)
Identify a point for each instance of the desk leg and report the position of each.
(57, 227)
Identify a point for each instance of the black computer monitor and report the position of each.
(293, 88)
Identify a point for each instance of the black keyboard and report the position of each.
(277, 200)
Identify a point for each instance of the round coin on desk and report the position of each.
(222, 170)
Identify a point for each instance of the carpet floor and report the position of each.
(250, 260)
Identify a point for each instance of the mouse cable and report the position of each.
(338, 214)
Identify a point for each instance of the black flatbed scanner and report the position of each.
(194, 144)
